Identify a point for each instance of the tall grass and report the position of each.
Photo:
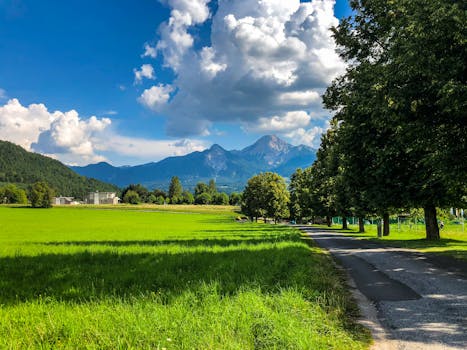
(119, 279)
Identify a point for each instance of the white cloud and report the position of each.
(149, 51)
(146, 71)
(156, 97)
(310, 137)
(2, 94)
(266, 59)
(175, 40)
(151, 150)
(75, 140)
(280, 124)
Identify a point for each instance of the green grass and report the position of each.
(146, 279)
(453, 240)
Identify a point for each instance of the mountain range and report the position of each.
(230, 169)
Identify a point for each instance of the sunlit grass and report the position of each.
(119, 279)
(453, 238)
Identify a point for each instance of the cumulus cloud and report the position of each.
(75, 140)
(146, 71)
(265, 59)
(310, 137)
(280, 124)
(156, 97)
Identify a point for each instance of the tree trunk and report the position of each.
(432, 229)
(344, 223)
(328, 221)
(386, 224)
(361, 225)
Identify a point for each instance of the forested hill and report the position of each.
(24, 168)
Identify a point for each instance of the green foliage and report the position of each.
(141, 191)
(142, 280)
(175, 190)
(220, 199)
(41, 195)
(131, 197)
(400, 133)
(12, 194)
(212, 188)
(201, 187)
(266, 195)
(187, 197)
(235, 198)
(203, 198)
(24, 168)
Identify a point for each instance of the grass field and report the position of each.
(453, 239)
(178, 279)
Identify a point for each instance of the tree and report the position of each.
(11, 194)
(265, 195)
(203, 198)
(131, 197)
(235, 198)
(41, 195)
(201, 187)
(220, 199)
(187, 197)
(412, 100)
(212, 187)
(175, 190)
(143, 193)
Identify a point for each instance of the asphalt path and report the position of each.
(411, 300)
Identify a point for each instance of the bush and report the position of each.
(131, 197)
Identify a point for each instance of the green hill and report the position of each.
(24, 168)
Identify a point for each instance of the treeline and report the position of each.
(39, 194)
(25, 168)
(398, 138)
(203, 194)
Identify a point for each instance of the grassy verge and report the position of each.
(119, 279)
(453, 240)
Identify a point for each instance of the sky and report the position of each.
(131, 82)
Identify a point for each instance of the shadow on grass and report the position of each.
(85, 276)
(202, 241)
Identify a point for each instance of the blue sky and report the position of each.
(132, 82)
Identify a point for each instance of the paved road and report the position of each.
(418, 301)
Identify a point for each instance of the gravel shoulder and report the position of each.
(408, 299)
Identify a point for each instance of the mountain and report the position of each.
(231, 169)
(24, 168)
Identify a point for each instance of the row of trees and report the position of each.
(398, 138)
(39, 194)
(203, 194)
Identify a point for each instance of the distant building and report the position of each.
(64, 201)
(101, 198)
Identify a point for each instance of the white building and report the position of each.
(64, 201)
(101, 198)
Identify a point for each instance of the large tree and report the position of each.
(175, 190)
(41, 195)
(406, 81)
(266, 195)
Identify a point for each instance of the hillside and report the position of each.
(24, 168)
(231, 169)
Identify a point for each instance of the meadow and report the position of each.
(153, 278)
